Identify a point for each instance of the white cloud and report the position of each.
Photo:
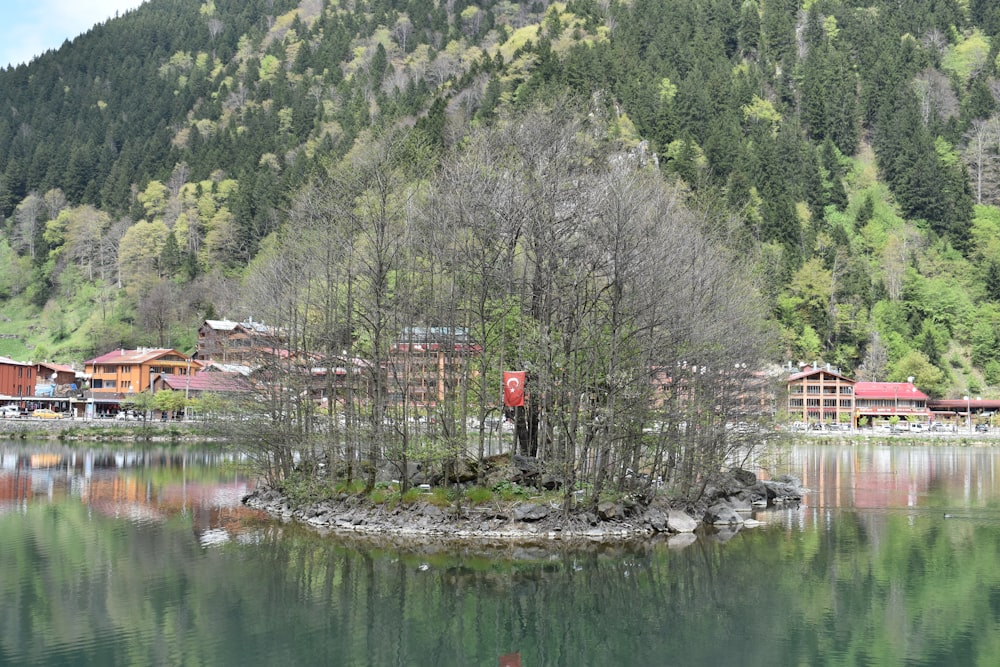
(29, 29)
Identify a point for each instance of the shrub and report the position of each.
(508, 490)
(305, 489)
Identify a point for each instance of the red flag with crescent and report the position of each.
(513, 388)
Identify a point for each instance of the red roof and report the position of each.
(213, 381)
(143, 354)
(893, 390)
(809, 371)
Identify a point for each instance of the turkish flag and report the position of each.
(513, 388)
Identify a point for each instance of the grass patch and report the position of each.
(441, 497)
(354, 487)
(479, 495)
(383, 495)
(411, 496)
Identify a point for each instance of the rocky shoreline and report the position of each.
(725, 502)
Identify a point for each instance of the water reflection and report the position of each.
(878, 480)
(866, 571)
(141, 485)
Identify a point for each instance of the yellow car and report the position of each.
(46, 414)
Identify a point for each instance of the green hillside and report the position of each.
(837, 158)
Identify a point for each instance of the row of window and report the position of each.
(817, 389)
(815, 403)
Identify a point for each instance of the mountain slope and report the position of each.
(846, 146)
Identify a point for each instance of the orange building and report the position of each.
(16, 378)
(125, 372)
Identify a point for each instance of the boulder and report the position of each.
(722, 514)
(782, 491)
(530, 512)
(431, 511)
(609, 511)
(657, 520)
(740, 502)
(680, 522)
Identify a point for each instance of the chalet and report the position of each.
(246, 343)
(125, 372)
(820, 395)
(17, 379)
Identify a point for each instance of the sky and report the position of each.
(29, 28)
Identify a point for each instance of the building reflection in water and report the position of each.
(882, 479)
(140, 486)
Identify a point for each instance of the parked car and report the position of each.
(45, 413)
(10, 412)
(982, 428)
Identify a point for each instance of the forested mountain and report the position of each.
(844, 150)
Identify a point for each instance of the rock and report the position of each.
(744, 477)
(551, 482)
(528, 464)
(431, 511)
(722, 485)
(740, 503)
(680, 522)
(530, 512)
(657, 520)
(608, 511)
(788, 479)
(722, 514)
(783, 491)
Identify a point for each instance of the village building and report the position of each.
(124, 372)
(878, 401)
(17, 379)
(246, 343)
(425, 363)
(820, 395)
(203, 382)
(55, 379)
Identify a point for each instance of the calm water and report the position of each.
(123, 557)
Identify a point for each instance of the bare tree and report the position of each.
(28, 223)
(158, 310)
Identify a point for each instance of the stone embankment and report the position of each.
(726, 501)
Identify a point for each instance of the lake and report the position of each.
(119, 555)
